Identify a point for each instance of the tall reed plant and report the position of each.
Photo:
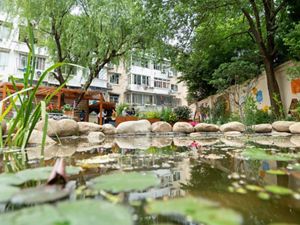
(30, 110)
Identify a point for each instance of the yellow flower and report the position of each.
(265, 108)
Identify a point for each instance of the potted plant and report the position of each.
(68, 111)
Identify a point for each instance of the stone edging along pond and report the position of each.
(95, 132)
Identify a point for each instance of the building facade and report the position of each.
(141, 82)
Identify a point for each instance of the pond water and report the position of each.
(239, 172)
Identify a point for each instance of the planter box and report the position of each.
(121, 119)
(153, 120)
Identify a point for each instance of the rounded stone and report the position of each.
(86, 127)
(67, 127)
(183, 127)
(295, 128)
(108, 129)
(206, 127)
(161, 126)
(36, 137)
(140, 126)
(52, 129)
(263, 128)
(282, 126)
(233, 126)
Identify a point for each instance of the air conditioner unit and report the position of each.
(170, 74)
(38, 73)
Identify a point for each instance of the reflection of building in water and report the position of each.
(171, 180)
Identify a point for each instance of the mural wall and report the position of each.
(290, 93)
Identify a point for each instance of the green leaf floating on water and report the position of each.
(124, 182)
(276, 172)
(261, 154)
(6, 192)
(41, 173)
(72, 213)
(197, 209)
(38, 195)
(278, 190)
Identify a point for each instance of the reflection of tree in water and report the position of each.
(205, 178)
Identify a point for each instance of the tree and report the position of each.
(90, 33)
(256, 20)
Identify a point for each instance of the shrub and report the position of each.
(253, 115)
(120, 108)
(152, 115)
(67, 107)
(168, 115)
(183, 112)
(219, 114)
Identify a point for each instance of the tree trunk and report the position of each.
(273, 88)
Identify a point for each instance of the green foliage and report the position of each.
(168, 115)
(199, 210)
(280, 115)
(150, 115)
(261, 154)
(182, 112)
(125, 182)
(120, 108)
(252, 115)
(219, 112)
(67, 107)
(232, 73)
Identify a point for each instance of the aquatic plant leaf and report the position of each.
(283, 224)
(94, 212)
(6, 192)
(38, 195)
(276, 172)
(124, 182)
(10, 179)
(263, 195)
(197, 209)
(278, 190)
(261, 154)
(42, 173)
(294, 166)
(251, 187)
(70, 213)
(43, 214)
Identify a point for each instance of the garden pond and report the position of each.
(206, 179)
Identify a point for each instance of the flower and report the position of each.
(193, 123)
(265, 108)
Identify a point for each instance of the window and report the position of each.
(4, 30)
(141, 80)
(136, 61)
(148, 99)
(161, 83)
(69, 70)
(3, 60)
(114, 98)
(174, 87)
(23, 59)
(156, 66)
(137, 99)
(40, 63)
(114, 78)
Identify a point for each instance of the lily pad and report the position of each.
(71, 213)
(6, 192)
(197, 209)
(264, 195)
(278, 190)
(39, 195)
(125, 182)
(277, 172)
(42, 173)
(251, 187)
(94, 212)
(10, 179)
(294, 167)
(261, 154)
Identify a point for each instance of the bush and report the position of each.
(67, 107)
(149, 115)
(120, 108)
(168, 115)
(252, 115)
(183, 112)
(219, 114)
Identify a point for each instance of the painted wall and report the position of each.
(236, 95)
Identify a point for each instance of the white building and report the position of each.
(142, 82)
